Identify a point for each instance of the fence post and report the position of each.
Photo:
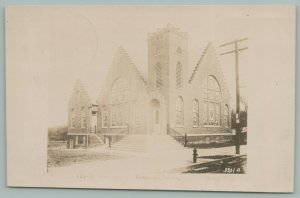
(195, 154)
(109, 141)
(185, 140)
(87, 141)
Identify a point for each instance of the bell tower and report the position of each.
(167, 60)
(167, 74)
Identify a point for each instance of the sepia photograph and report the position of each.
(151, 97)
(167, 112)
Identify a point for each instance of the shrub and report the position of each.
(57, 133)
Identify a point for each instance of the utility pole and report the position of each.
(236, 52)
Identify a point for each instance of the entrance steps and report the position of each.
(147, 143)
(94, 140)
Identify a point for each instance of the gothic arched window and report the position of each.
(179, 75)
(179, 111)
(158, 76)
(83, 117)
(104, 117)
(226, 116)
(195, 113)
(119, 103)
(211, 102)
(179, 50)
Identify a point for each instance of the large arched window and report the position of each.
(83, 117)
(119, 103)
(179, 111)
(119, 91)
(104, 117)
(195, 113)
(226, 116)
(179, 50)
(211, 102)
(158, 76)
(179, 75)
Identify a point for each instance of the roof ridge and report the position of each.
(133, 66)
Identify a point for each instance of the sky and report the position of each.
(79, 42)
(83, 42)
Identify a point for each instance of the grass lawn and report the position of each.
(63, 157)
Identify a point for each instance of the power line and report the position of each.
(236, 52)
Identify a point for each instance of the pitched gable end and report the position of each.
(79, 90)
(208, 64)
(122, 52)
(199, 62)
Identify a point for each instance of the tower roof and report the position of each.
(167, 29)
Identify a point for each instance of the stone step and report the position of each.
(94, 141)
(147, 143)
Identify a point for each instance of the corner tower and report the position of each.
(167, 75)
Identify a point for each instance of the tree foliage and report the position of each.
(57, 133)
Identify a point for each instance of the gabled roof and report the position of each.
(199, 62)
(209, 51)
(123, 52)
(79, 86)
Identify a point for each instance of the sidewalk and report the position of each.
(143, 163)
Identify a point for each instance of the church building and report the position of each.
(169, 98)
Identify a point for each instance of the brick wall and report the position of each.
(79, 104)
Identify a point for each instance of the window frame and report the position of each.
(119, 99)
(227, 121)
(196, 112)
(158, 81)
(104, 114)
(179, 99)
(179, 50)
(83, 118)
(179, 76)
(209, 90)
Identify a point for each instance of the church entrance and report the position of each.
(155, 117)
